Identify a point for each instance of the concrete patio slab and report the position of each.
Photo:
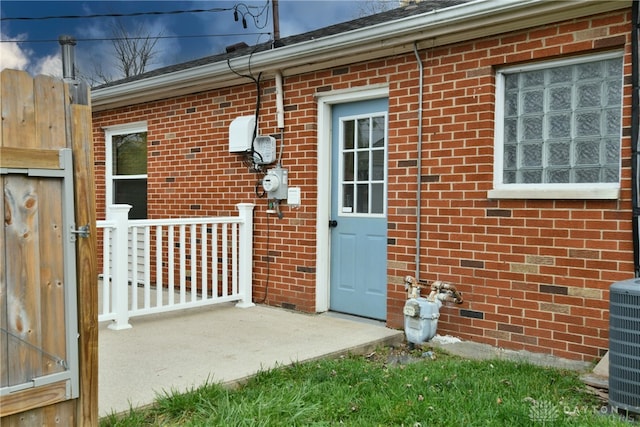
(221, 344)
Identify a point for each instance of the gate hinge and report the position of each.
(83, 231)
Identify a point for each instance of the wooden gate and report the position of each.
(48, 278)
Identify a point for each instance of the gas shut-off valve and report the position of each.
(275, 183)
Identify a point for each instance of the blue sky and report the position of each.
(32, 44)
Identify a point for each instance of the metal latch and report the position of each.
(83, 231)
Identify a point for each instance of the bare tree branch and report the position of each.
(133, 50)
(371, 7)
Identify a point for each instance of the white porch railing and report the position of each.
(159, 265)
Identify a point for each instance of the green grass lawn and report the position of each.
(434, 389)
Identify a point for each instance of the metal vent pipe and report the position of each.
(68, 44)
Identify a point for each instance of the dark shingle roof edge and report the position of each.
(340, 28)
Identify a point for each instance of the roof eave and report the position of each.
(436, 28)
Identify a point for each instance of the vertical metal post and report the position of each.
(635, 130)
(68, 44)
(276, 23)
(245, 267)
(79, 90)
(119, 257)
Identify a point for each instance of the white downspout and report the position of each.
(279, 101)
(280, 111)
(419, 178)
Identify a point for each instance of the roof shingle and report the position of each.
(343, 27)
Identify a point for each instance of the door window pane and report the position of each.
(348, 167)
(378, 132)
(363, 133)
(348, 134)
(363, 166)
(377, 174)
(377, 198)
(347, 198)
(363, 198)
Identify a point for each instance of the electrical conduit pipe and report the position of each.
(419, 178)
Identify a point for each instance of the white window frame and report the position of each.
(109, 133)
(341, 181)
(542, 191)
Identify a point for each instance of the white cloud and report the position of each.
(50, 65)
(12, 55)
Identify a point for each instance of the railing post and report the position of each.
(119, 214)
(245, 257)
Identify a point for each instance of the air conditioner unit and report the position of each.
(624, 346)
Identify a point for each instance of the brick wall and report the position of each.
(534, 273)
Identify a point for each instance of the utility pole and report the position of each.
(276, 23)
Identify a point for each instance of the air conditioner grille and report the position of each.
(624, 345)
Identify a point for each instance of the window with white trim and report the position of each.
(558, 129)
(126, 167)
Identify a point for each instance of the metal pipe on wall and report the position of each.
(280, 111)
(635, 129)
(419, 177)
(279, 100)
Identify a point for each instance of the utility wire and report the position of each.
(236, 8)
(114, 15)
(137, 38)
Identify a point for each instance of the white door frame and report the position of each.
(323, 244)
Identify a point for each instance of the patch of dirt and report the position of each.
(402, 354)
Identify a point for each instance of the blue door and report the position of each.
(359, 209)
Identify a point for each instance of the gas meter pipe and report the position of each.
(419, 174)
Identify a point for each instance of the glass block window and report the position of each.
(560, 122)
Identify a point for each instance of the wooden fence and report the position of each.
(48, 341)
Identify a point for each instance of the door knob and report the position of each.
(333, 223)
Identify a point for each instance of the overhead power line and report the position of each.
(237, 8)
(97, 39)
(114, 15)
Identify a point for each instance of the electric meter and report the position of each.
(275, 183)
(271, 182)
